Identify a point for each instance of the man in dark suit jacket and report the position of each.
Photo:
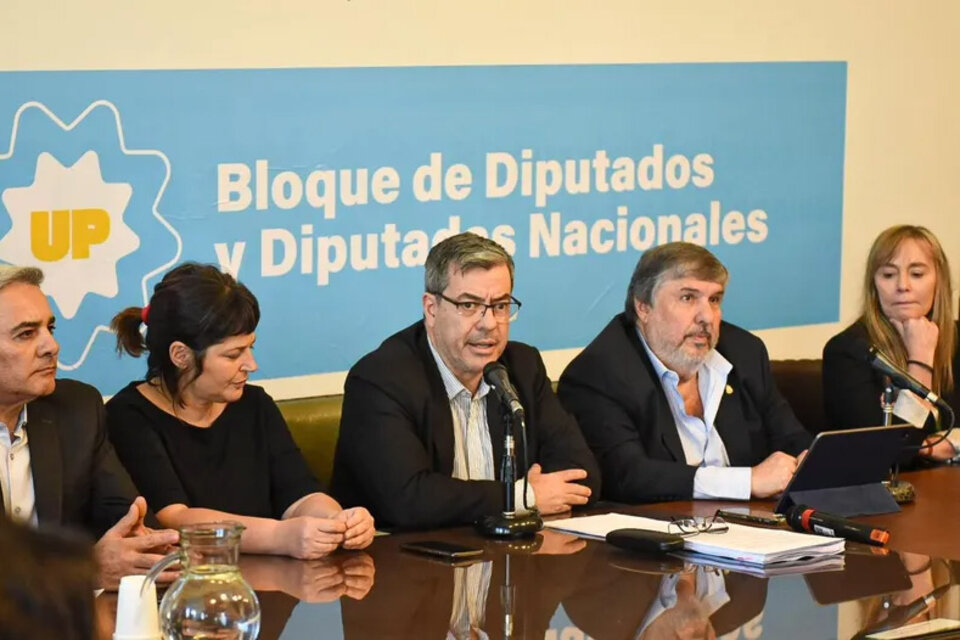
(675, 403)
(58, 466)
(421, 434)
(68, 439)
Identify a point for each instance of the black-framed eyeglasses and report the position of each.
(503, 311)
(693, 526)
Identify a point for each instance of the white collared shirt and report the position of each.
(472, 449)
(702, 445)
(16, 477)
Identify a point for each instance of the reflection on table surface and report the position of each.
(558, 587)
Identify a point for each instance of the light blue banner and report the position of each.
(323, 189)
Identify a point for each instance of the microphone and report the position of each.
(510, 523)
(900, 378)
(802, 518)
(495, 375)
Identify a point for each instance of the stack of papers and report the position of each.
(741, 544)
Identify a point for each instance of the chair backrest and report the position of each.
(800, 383)
(314, 424)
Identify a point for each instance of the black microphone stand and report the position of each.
(510, 523)
(901, 490)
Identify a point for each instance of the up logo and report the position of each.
(53, 232)
(69, 222)
(83, 214)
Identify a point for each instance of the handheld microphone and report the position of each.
(900, 378)
(802, 518)
(495, 375)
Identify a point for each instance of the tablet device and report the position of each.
(842, 470)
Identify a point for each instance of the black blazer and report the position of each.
(395, 450)
(852, 388)
(77, 479)
(613, 391)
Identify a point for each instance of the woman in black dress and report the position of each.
(907, 314)
(199, 442)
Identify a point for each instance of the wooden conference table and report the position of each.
(558, 587)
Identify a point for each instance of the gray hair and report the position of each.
(669, 262)
(10, 274)
(465, 251)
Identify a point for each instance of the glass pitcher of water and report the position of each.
(210, 599)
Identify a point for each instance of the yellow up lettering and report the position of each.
(50, 234)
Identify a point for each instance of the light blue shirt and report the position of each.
(702, 445)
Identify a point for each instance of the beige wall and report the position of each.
(902, 158)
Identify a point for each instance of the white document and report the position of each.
(748, 545)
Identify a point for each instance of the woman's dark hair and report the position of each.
(46, 585)
(195, 304)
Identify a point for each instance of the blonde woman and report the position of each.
(907, 313)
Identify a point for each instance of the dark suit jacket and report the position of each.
(613, 391)
(395, 451)
(77, 479)
(852, 388)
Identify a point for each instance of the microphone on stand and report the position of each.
(509, 523)
(887, 401)
(901, 490)
(901, 379)
(495, 375)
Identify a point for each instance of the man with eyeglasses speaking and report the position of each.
(421, 434)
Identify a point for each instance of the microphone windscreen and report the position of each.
(491, 368)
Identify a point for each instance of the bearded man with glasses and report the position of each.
(421, 433)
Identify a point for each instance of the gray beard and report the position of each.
(679, 360)
(675, 357)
